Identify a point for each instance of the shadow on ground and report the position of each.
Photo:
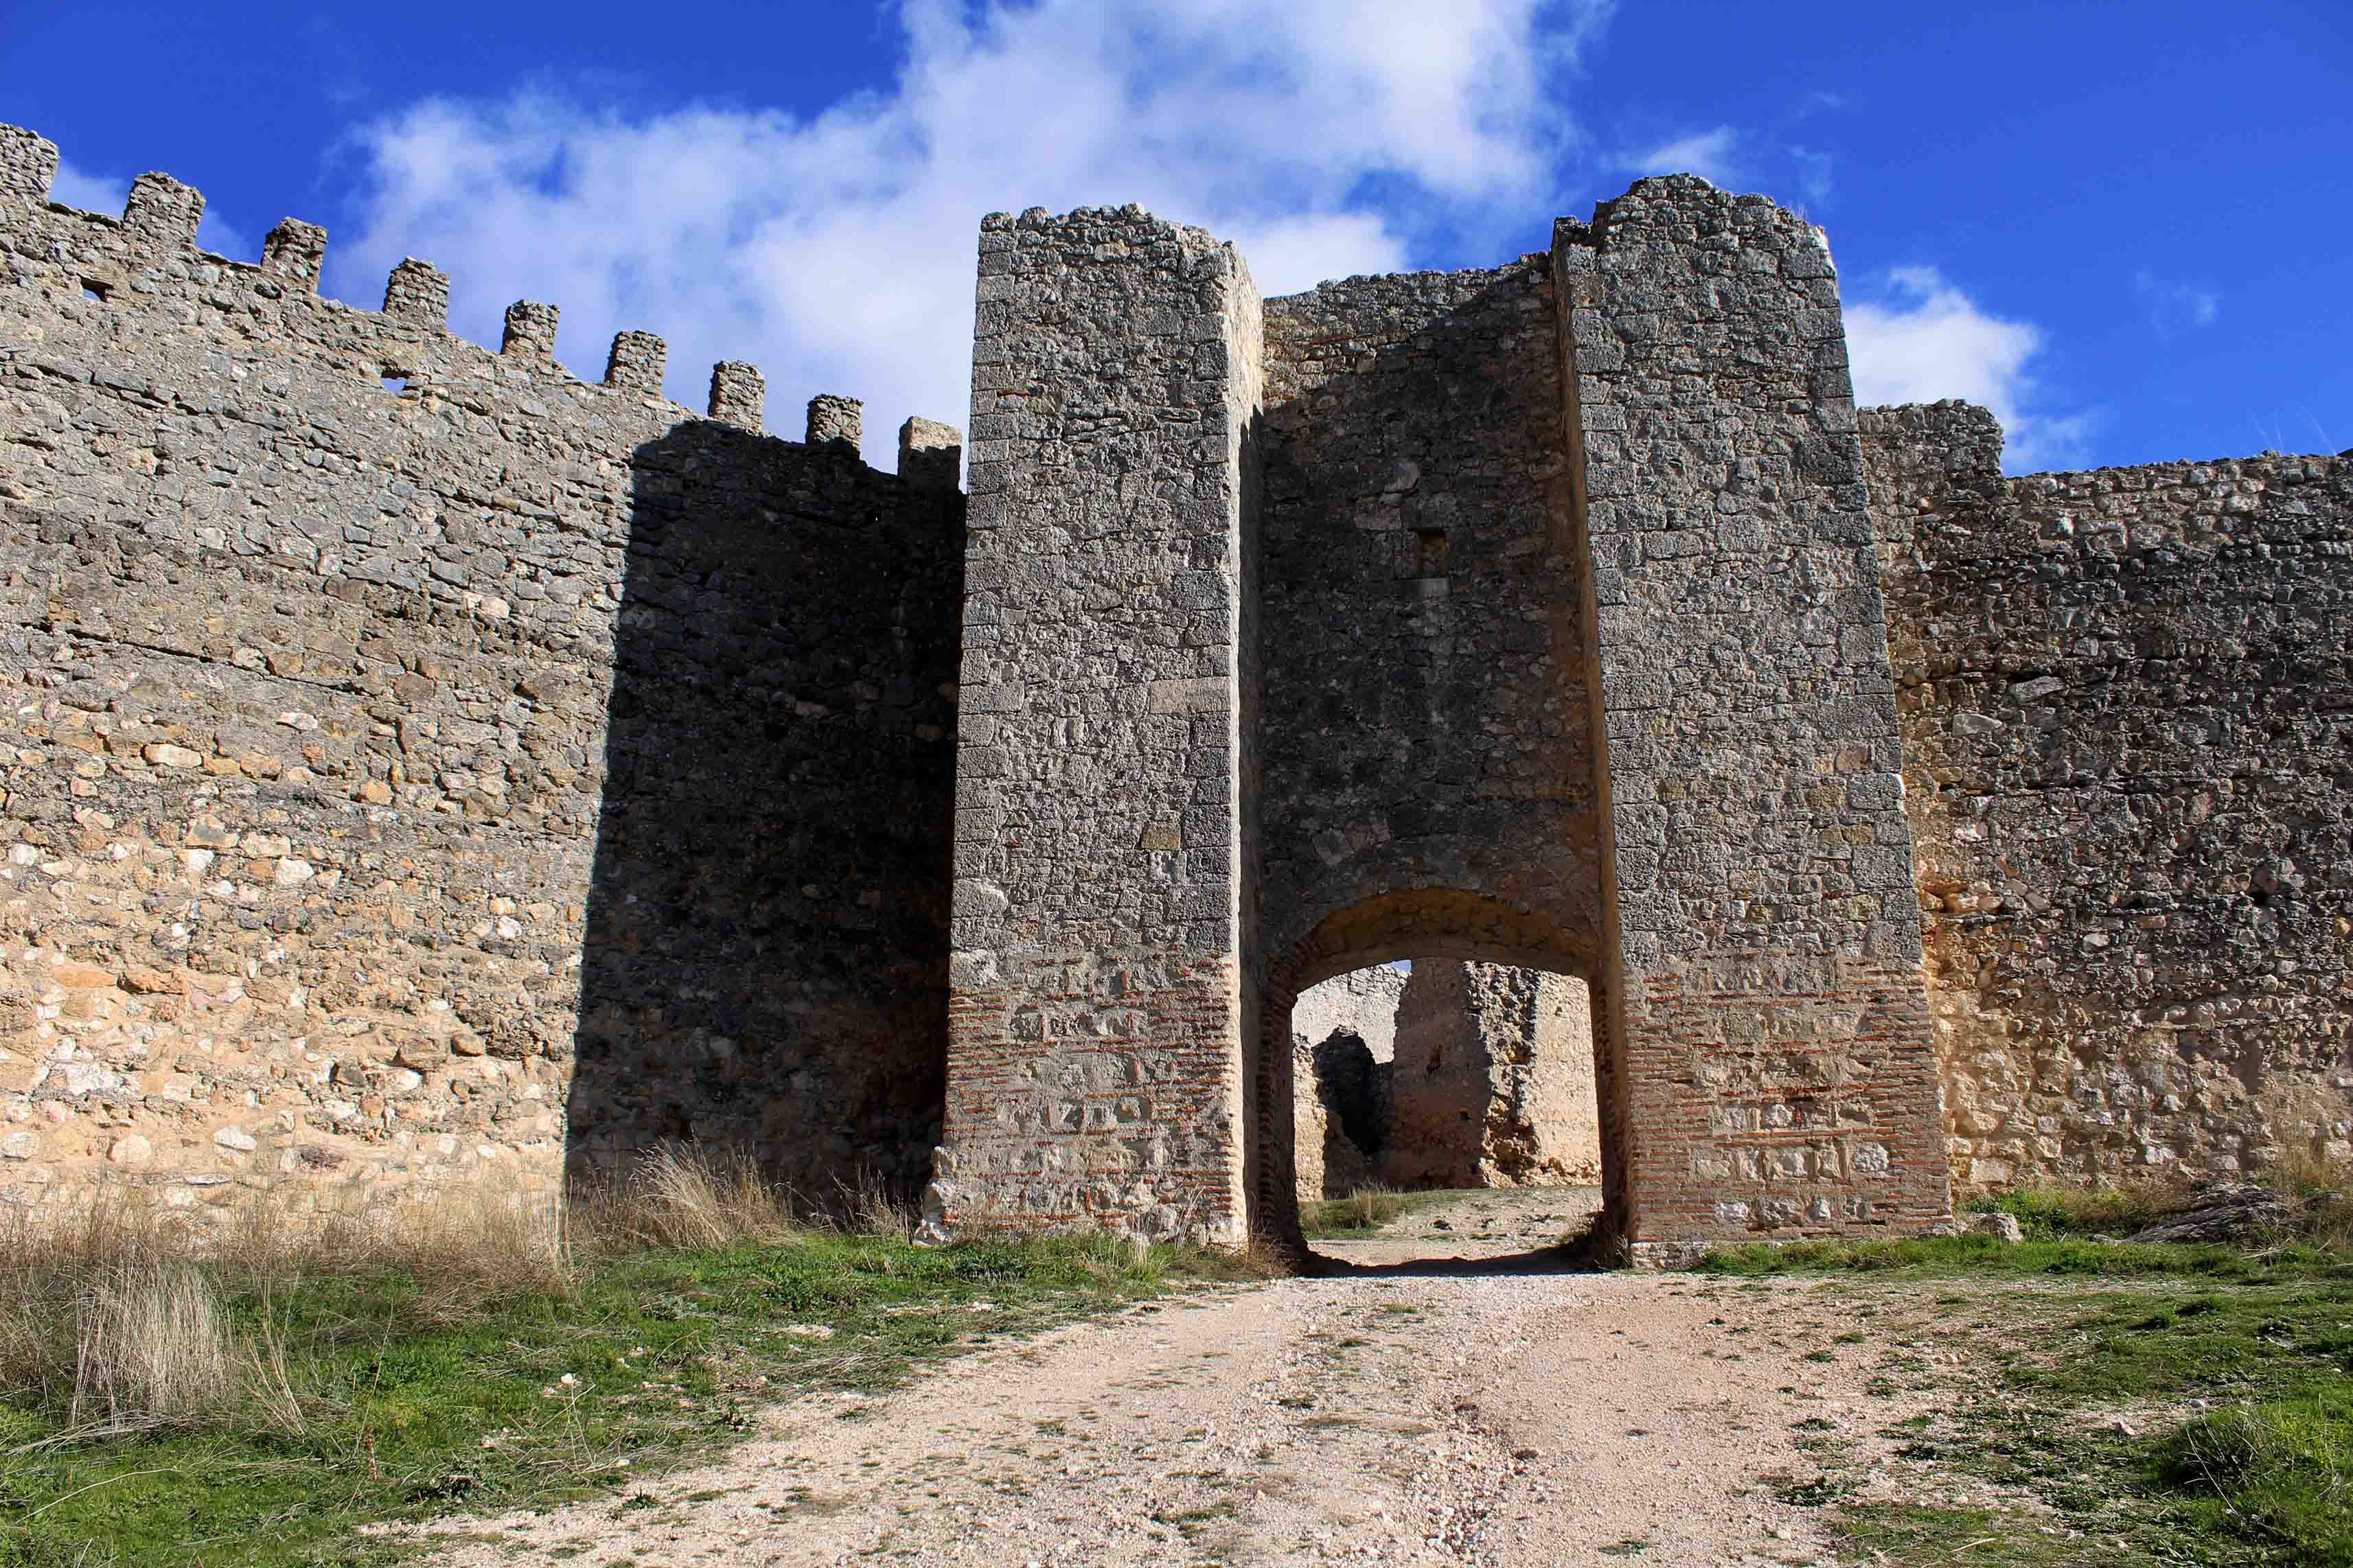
(1536, 1260)
(1584, 1250)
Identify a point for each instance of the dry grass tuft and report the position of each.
(2312, 1165)
(682, 1196)
(151, 1348)
(108, 1316)
(1366, 1208)
(126, 1316)
(1371, 1205)
(119, 1317)
(1263, 1259)
(870, 1208)
(469, 1251)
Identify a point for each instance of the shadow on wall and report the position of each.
(1425, 719)
(1352, 1087)
(766, 962)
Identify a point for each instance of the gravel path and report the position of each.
(1452, 1397)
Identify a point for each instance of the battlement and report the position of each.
(28, 166)
(154, 238)
(534, 692)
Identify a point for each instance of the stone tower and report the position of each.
(1529, 615)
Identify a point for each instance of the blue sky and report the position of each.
(2126, 227)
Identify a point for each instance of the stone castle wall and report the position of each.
(2128, 712)
(1100, 998)
(1426, 725)
(423, 765)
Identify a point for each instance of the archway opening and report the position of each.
(1440, 1076)
(1427, 1043)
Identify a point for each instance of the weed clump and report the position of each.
(2055, 1214)
(684, 1197)
(2281, 1470)
(1364, 1209)
(1369, 1207)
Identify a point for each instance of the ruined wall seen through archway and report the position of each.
(1449, 1074)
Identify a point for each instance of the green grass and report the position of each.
(1920, 1533)
(2052, 1214)
(1925, 1257)
(2235, 1366)
(1362, 1213)
(2281, 1469)
(649, 1358)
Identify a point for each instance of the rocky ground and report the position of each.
(1450, 1395)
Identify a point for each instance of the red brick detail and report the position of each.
(1782, 1099)
(1099, 1090)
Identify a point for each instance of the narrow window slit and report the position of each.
(1430, 551)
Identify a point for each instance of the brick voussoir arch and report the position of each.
(1427, 922)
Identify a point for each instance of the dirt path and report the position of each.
(1454, 1399)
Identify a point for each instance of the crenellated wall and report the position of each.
(424, 766)
(2127, 699)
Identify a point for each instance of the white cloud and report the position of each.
(90, 193)
(2176, 307)
(1713, 155)
(1916, 338)
(104, 194)
(1813, 171)
(836, 251)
